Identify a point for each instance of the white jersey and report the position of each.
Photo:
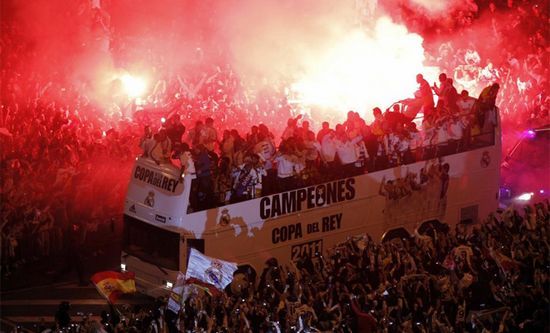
(285, 166)
(328, 148)
(346, 150)
(465, 105)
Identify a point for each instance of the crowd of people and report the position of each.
(62, 156)
(236, 167)
(514, 53)
(62, 152)
(57, 162)
(491, 277)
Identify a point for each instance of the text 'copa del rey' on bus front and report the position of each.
(160, 226)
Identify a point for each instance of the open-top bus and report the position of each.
(451, 186)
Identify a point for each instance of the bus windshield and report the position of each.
(151, 244)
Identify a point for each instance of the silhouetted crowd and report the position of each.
(62, 153)
(489, 277)
(60, 149)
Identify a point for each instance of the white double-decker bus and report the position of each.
(457, 186)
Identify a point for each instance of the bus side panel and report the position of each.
(436, 196)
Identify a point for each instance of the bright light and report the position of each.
(530, 134)
(163, 120)
(365, 69)
(123, 267)
(169, 285)
(525, 196)
(133, 86)
(541, 191)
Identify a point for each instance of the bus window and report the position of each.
(469, 215)
(197, 244)
(151, 244)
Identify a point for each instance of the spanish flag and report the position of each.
(113, 284)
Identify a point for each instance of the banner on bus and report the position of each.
(216, 272)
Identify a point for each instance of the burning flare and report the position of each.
(366, 68)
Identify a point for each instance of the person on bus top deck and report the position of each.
(252, 137)
(175, 129)
(286, 175)
(345, 149)
(265, 149)
(291, 127)
(208, 134)
(424, 92)
(312, 148)
(245, 179)
(223, 184)
(465, 103)
(452, 97)
(161, 151)
(194, 133)
(443, 92)
(325, 129)
(205, 185)
(186, 161)
(328, 154)
(371, 145)
(349, 119)
(394, 118)
(306, 129)
(486, 104)
(379, 128)
(147, 142)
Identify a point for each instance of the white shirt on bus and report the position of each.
(147, 145)
(312, 149)
(428, 137)
(442, 135)
(465, 105)
(456, 129)
(285, 166)
(415, 141)
(346, 150)
(328, 148)
(393, 143)
(187, 163)
(403, 145)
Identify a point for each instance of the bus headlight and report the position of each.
(123, 267)
(525, 196)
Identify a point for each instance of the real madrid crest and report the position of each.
(213, 274)
(485, 159)
(150, 199)
(225, 218)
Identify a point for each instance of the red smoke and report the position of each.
(268, 41)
